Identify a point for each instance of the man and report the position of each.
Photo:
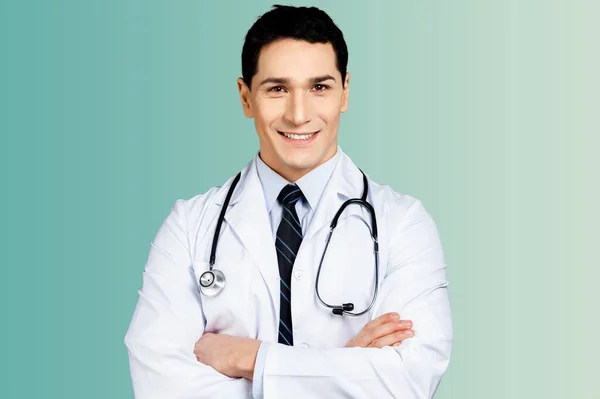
(269, 333)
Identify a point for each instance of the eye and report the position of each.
(276, 89)
(321, 87)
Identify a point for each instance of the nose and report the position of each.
(297, 109)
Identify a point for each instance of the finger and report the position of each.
(392, 339)
(389, 328)
(386, 329)
(384, 318)
(368, 335)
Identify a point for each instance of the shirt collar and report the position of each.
(312, 184)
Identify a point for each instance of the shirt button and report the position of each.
(298, 274)
(304, 345)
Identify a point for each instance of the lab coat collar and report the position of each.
(248, 218)
(345, 183)
(344, 186)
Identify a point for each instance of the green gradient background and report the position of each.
(487, 111)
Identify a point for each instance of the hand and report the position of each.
(386, 330)
(230, 356)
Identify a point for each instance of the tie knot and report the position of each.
(289, 195)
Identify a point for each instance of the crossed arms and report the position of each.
(171, 357)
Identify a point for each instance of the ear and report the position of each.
(245, 97)
(345, 93)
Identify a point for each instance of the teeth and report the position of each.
(298, 136)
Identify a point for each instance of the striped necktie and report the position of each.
(287, 243)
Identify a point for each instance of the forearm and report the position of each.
(160, 344)
(412, 370)
(409, 371)
(159, 371)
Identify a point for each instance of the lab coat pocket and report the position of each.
(225, 313)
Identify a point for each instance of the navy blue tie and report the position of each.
(287, 243)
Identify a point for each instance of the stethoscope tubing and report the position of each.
(217, 277)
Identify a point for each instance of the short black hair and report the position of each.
(309, 24)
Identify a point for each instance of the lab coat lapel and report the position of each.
(345, 183)
(250, 221)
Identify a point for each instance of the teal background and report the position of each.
(486, 111)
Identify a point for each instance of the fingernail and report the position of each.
(396, 344)
(395, 316)
(410, 333)
(407, 323)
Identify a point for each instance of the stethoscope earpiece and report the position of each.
(346, 307)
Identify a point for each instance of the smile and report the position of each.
(298, 136)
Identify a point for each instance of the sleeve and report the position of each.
(259, 367)
(415, 286)
(167, 322)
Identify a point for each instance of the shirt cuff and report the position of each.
(259, 368)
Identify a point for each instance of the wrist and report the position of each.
(246, 358)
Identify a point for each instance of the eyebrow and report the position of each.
(314, 80)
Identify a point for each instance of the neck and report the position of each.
(292, 174)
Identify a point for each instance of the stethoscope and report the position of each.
(213, 280)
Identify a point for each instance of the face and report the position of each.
(296, 100)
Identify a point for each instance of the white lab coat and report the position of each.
(171, 314)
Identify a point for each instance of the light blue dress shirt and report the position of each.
(312, 185)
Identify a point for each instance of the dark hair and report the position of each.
(287, 22)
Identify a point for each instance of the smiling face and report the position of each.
(296, 100)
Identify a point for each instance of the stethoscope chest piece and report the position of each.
(212, 282)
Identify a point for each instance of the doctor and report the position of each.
(266, 331)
